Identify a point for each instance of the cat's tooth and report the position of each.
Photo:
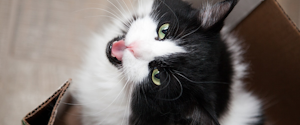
(112, 55)
(113, 44)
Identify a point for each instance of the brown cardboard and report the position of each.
(239, 12)
(68, 111)
(46, 112)
(273, 43)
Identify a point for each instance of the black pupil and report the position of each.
(157, 76)
(165, 31)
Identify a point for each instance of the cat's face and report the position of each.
(172, 55)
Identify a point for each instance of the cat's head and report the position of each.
(175, 58)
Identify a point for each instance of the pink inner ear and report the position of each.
(118, 49)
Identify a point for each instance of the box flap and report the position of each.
(239, 13)
(46, 112)
(273, 51)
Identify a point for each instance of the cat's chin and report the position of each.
(112, 59)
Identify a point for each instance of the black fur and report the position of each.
(261, 120)
(195, 86)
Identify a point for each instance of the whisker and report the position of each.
(126, 5)
(123, 119)
(122, 13)
(125, 23)
(190, 33)
(156, 16)
(211, 114)
(164, 14)
(112, 13)
(139, 4)
(115, 6)
(108, 11)
(182, 32)
(169, 80)
(181, 88)
(94, 101)
(145, 96)
(127, 110)
(135, 13)
(112, 101)
(174, 15)
(128, 8)
(134, 8)
(121, 6)
(205, 82)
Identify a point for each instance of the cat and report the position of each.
(166, 63)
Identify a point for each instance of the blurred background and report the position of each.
(41, 42)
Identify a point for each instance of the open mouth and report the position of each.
(114, 51)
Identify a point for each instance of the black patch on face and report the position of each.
(181, 17)
(195, 85)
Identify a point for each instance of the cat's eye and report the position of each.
(156, 77)
(163, 30)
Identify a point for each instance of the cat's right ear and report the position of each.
(212, 16)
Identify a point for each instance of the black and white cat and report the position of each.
(166, 64)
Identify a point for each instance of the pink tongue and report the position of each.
(118, 49)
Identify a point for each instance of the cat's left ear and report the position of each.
(212, 16)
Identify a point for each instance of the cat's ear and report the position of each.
(212, 16)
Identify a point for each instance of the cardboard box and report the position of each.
(273, 43)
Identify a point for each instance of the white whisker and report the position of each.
(125, 23)
(112, 13)
(113, 101)
(132, 6)
(190, 33)
(203, 82)
(182, 32)
(174, 15)
(122, 8)
(181, 88)
(115, 7)
(126, 6)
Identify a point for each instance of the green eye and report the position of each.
(156, 77)
(163, 30)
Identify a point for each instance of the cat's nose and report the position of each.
(132, 48)
(139, 49)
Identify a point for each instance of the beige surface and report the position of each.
(40, 48)
(292, 8)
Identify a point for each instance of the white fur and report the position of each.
(100, 88)
(244, 107)
(144, 7)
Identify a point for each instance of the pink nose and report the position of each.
(132, 47)
(119, 47)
